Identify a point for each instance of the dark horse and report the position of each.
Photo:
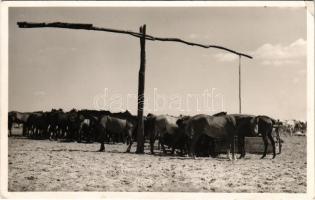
(164, 128)
(21, 118)
(265, 125)
(245, 128)
(216, 127)
(115, 126)
(10, 123)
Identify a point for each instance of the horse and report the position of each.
(21, 118)
(264, 126)
(164, 128)
(216, 127)
(10, 123)
(116, 126)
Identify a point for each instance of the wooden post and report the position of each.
(140, 127)
(239, 100)
(239, 85)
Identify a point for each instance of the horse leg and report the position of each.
(102, 146)
(130, 140)
(159, 145)
(34, 132)
(161, 140)
(10, 129)
(161, 136)
(55, 133)
(231, 146)
(64, 132)
(241, 146)
(152, 140)
(229, 153)
(272, 143)
(39, 133)
(129, 147)
(279, 141)
(51, 133)
(193, 146)
(173, 149)
(90, 137)
(103, 133)
(60, 135)
(123, 137)
(212, 148)
(79, 139)
(23, 130)
(29, 131)
(280, 145)
(44, 133)
(264, 137)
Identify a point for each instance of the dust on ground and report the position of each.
(43, 165)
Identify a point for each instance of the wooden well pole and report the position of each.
(140, 126)
(239, 99)
(239, 85)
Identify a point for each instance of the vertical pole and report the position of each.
(239, 101)
(239, 85)
(140, 127)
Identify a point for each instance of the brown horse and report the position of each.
(162, 127)
(216, 127)
(264, 126)
(115, 126)
(21, 118)
(10, 123)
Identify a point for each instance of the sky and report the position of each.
(63, 68)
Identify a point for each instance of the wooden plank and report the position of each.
(139, 35)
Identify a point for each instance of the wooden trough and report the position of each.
(252, 145)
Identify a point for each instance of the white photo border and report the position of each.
(309, 9)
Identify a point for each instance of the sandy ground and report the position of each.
(42, 165)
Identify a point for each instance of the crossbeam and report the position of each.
(135, 34)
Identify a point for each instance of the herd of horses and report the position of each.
(192, 135)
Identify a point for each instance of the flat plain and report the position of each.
(43, 165)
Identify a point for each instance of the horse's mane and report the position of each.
(220, 113)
